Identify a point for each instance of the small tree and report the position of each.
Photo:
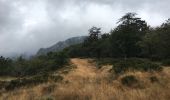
(126, 36)
(94, 33)
(91, 45)
(5, 66)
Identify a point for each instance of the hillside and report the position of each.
(87, 82)
(84, 50)
(61, 45)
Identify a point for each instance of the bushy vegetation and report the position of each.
(107, 61)
(32, 81)
(154, 79)
(166, 62)
(34, 66)
(5, 65)
(135, 64)
(129, 80)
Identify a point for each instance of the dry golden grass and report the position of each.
(86, 82)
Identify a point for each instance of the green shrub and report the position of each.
(120, 67)
(135, 64)
(30, 81)
(166, 62)
(106, 61)
(129, 81)
(34, 66)
(148, 66)
(5, 65)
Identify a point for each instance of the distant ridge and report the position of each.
(62, 44)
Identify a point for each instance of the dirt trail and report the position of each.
(85, 69)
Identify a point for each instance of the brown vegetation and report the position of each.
(86, 82)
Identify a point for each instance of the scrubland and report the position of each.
(87, 82)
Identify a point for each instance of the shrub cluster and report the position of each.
(129, 81)
(154, 79)
(166, 62)
(36, 65)
(5, 65)
(106, 61)
(29, 81)
(135, 64)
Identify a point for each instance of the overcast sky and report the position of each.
(27, 25)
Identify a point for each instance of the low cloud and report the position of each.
(27, 25)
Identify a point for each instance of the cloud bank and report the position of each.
(27, 25)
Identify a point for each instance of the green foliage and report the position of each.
(127, 35)
(129, 81)
(166, 62)
(94, 49)
(131, 38)
(29, 81)
(5, 65)
(149, 44)
(34, 66)
(106, 61)
(94, 33)
(156, 43)
(135, 64)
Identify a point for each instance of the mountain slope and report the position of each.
(61, 45)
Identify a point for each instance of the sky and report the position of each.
(28, 25)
